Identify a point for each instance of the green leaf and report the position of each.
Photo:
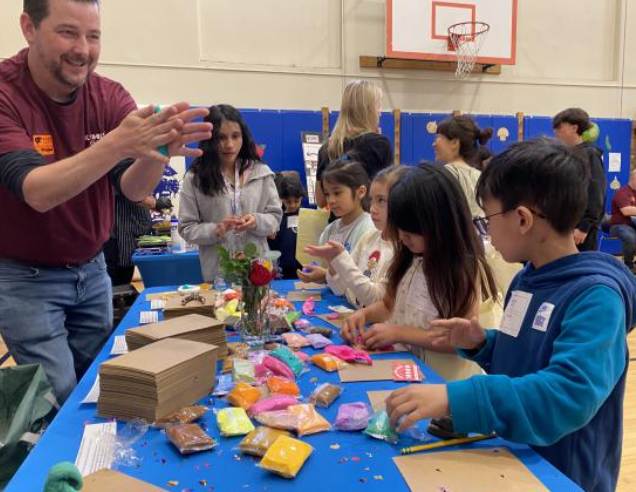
(250, 250)
(223, 253)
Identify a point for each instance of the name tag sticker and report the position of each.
(515, 313)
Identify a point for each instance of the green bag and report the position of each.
(27, 405)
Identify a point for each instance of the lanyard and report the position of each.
(235, 196)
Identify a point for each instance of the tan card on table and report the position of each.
(335, 322)
(478, 470)
(381, 370)
(378, 398)
(161, 296)
(298, 295)
(110, 480)
(309, 286)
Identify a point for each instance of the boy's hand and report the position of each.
(459, 333)
(327, 251)
(312, 273)
(579, 236)
(380, 335)
(352, 326)
(417, 402)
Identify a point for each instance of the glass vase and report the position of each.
(254, 322)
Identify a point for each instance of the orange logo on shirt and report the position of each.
(43, 144)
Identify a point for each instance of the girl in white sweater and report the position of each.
(361, 275)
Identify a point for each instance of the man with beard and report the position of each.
(67, 137)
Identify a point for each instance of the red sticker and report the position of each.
(406, 372)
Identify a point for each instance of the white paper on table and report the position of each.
(97, 449)
(120, 346)
(157, 304)
(614, 162)
(93, 394)
(146, 317)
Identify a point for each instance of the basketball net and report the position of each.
(466, 39)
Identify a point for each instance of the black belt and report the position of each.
(40, 265)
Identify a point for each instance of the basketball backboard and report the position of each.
(417, 29)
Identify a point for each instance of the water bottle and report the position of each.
(178, 243)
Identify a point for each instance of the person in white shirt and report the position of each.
(346, 186)
(438, 271)
(361, 275)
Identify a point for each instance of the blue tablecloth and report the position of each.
(169, 269)
(357, 463)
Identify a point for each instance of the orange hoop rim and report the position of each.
(478, 28)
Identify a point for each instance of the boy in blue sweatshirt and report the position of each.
(557, 365)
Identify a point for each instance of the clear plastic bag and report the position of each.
(353, 416)
(286, 456)
(190, 438)
(380, 428)
(325, 394)
(309, 420)
(257, 442)
(233, 421)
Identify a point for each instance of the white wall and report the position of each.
(297, 54)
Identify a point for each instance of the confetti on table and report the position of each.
(355, 458)
(172, 483)
(335, 446)
(378, 477)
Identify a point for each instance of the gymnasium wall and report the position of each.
(297, 54)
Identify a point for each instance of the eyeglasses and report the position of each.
(482, 223)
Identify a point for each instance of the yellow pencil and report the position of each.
(449, 442)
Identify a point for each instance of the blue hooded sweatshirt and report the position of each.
(556, 371)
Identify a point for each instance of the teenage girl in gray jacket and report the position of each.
(228, 196)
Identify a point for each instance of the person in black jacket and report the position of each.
(569, 126)
(291, 193)
(356, 134)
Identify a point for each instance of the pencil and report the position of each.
(449, 442)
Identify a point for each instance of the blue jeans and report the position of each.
(627, 235)
(57, 317)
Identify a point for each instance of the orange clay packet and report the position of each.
(281, 386)
(243, 395)
(328, 362)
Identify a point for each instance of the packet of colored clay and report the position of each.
(327, 362)
(353, 417)
(309, 420)
(233, 421)
(276, 402)
(286, 456)
(260, 440)
(278, 419)
(281, 386)
(318, 341)
(243, 370)
(295, 341)
(243, 395)
(325, 394)
(189, 438)
(380, 427)
(185, 415)
(288, 357)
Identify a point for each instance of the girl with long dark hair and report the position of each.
(438, 271)
(228, 196)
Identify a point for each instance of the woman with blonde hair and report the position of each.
(356, 134)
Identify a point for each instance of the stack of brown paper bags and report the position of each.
(190, 327)
(175, 308)
(157, 379)
(110, 480)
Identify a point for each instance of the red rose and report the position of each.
(260, 275)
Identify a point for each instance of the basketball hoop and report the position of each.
(466, 39)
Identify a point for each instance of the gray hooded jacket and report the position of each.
(200, 213)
